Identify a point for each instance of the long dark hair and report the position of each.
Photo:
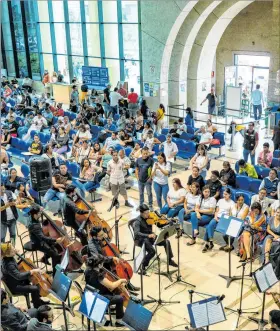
(162, 107)
(178, 182)
(83, 162)
(163, 156)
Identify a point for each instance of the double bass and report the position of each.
(92, 219)
(54, 229)
(43, 281)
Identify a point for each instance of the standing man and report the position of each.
(75, 94)
(114, 102)
(143, 171)
(170, 148)
(115, 170)
(84, 89)
(257, 102)
(106, 101)
(251, 140)
(212, 100)
(132, 100)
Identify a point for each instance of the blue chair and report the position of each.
(156, 149)
(265, 172)
(165, 131)
(243, 182)
(236, 167)
(232, 192)
(186, 136)
(94, 129)
(275, 163)
(191, 129)
(32, 133)
(116, 117)
(254, 185)
(55, 119)
(74, 169)
(276, 153)
(161, 138)
(118, 147)
(127, 151)
(247, 196)
(25, 170)
(259, 170)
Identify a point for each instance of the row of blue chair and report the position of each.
(248, 184)
(262, 171)
(276, 153)
(235, 192)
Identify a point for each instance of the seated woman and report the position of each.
(203, 214)
(226, 207)
(4, 161)
(61, 144)
(135, 154)
(254, 225)
(80, 136)
(227, 175)
(191, 200)
(265, 156)
(5, 137)
(12, 180)
(241, 208)
(200, 160)
(175, 199)
(195, 177)
(89, 174)
(36, 146)
(53, 133)
(96, 154)
(271, 184)
(271, 242)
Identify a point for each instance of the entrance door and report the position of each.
(261, 76)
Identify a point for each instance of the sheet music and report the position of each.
(270, 275)
(233, 228)
(88, 300)
(139, 259)
(200, 314)
(261, 280)
(65, 261)
(98, 311)
(215, 312)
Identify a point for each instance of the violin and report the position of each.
(122, 269)
(43, 281)
(92, 219)
(54, 229)
(120, 290)
(155, 218)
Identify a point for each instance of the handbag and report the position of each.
(215, 142)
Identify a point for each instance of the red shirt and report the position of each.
(132, 97)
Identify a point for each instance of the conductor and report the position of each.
(144, 234)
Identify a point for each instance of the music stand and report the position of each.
(206, 312)
(136, 317)
(137, 265)
(230, 226)
(265, 278)
(115, 204)
(166, 232)
(93, 306)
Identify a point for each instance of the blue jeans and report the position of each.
(107, 108)
(205, 219)
(50, 194)
(203, 173)
(80, 187)
(161, 192)
(11, 226)
(210, 229)
(148, 186)
(88, 186)
(246, 154)
(257, 115)
(182, 216)
(171, 212)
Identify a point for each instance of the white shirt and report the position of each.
(87, 135)
(200, 160)
(181, 128)
(175, 196)
(149, 142)
(169, 148)
(10, 215)
(275, 205)
(82, 153)
(264, 203)
(116, 171)
(37, 123)
(109, 142)
(206, 204)
(115, 97)
(205, 137)
(226, 207)
(159, 177)
(238, 213)
(192, 200)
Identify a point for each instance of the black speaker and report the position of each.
(40, 173)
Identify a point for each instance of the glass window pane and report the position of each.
(94, 62)
(132, 74)
(114, 71)
(60, 38)
(22, 64)
(111, 38)
(129, 11)
(35, 65)
(76, 38)
(10, 63)
(30, 13)
(7, 36)
(74, 11)
(93, 41)
(46, 35)
(16, 11)
(58, 11)
(131, 41)
(48, 62)
(110, 13)
(32, 37)
(43, 11)
(78, 62)
(91, 11)
(253, 60)
(5, 12)
(62, 62)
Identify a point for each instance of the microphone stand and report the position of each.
(179, 276)
(115, 204)
(239, 311)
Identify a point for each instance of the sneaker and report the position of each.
(127, 204)
(192, 242)
(222, 248)
(119, 325)
(205, 248)
(227, 248)
(44, 260)
(173, 263)
(211, 245)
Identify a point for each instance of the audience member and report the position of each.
(265, 156)
(214, 184)
(227, 175)
(200, 160)
(247, 169)
(272, 185)
(195, 177)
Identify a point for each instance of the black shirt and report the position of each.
(59, 178)
(145, 168)
(84, 88)
(28, 101)
(94, 248)
(228, 177)
(214, 186)
(37, 236)
(198, 179)
(70, 210)
(107, 93)
(13, 318)
(141, 228)
(94, 277)
(11, 186)
(211, 99)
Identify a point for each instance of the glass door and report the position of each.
(245, 80)
(261, 76)
(230, 75)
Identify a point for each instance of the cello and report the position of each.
(92, 219)
(54, 229)
(122, 269)
(44, 281)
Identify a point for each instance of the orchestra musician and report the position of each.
(70, 210)
(95, 276)
(95, 247)
(144, 234)
(39, 241)
(18, 282)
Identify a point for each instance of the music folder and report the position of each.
(166, 232)
(206, 312)
(139, 259)
(265, 277)
(61, 286)
(93, 306)
(136, 317)
(229, 225)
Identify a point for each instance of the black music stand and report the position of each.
(115, 204)
(265, 278)
(230, 226)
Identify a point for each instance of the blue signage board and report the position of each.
(95, 77)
